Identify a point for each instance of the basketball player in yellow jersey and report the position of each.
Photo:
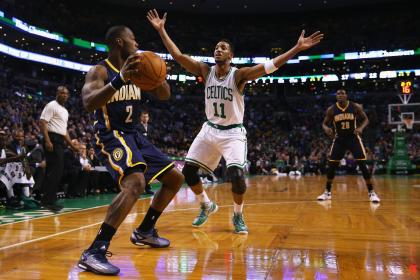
(346, 135)
(223, 133)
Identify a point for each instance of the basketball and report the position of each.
(152, 71)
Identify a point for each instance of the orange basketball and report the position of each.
(152, 71)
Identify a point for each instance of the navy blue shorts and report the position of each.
(124, 151)
(352, 143)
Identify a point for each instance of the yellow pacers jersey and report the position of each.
(224, 102)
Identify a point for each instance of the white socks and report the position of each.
(204, 198)
(237, 208)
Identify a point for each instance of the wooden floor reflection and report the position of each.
(292, 236)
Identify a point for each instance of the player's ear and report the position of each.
(119, 41)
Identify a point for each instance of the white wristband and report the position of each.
(269, 66)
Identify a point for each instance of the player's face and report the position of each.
(62, 95)
(222, 52)
(19, 137)
(144, 118)
(130, 45)
(341, 95)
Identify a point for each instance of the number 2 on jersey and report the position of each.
(129, 110)
(222, 110)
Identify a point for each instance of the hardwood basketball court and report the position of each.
(291, 236)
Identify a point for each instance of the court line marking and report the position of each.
(172, 210)
(60, 214)
(211, 186)
(106, 205)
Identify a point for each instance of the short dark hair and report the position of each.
(231, 46)
(113, 33)
(62, 88)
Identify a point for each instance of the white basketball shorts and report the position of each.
(213, 143)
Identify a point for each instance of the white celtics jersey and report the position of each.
(224, 102)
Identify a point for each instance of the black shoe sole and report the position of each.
(86, 267)
(141, 244)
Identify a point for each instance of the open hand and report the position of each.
(154, 19)
(305, 43)
(130, 67)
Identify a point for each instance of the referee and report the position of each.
(53, 123)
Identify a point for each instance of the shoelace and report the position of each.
(101, 255)
(239, 220)
(155, 233)
(203, 211)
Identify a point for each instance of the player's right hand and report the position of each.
(154, 19)
(130, 66)
(49, 146)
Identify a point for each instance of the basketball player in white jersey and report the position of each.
(223, 133)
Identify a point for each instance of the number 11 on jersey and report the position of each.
(222, 110)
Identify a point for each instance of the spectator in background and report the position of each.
(53, 122)
(101, 179)
(36, 160)
(5, 158)
(144, 128)
(86, 175)
(16, 172)
(72, 171)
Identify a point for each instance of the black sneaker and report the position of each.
(94, 260)
(53, 207)
(148, 192)
(150, 238)
(15, 204)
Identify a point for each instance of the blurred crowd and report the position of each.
(369, 33)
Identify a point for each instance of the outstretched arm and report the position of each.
(245, 74)
(195, 67)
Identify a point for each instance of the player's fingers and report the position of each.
(319, 37)
(150, 15)
(315, 34)
(132, 65)
(302, 34)
(156, 13)
(129, 73)
(164, 16)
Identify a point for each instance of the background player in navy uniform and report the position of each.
(346, 135)
(130, 158)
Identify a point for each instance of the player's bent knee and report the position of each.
(133, 184)
(133, 189)
(173, 179)
(364, 169)
(237, 178)
(191, 174)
